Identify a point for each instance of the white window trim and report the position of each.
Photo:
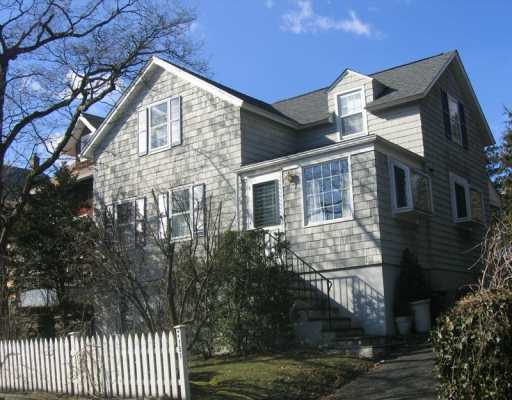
(351, 190)
(169, 145)
(152, 150)
(364, 132)
(464, 183)
(408, 181)
(190, 234)
(408, 190)
(254, 180)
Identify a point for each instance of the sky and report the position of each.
(274, 49)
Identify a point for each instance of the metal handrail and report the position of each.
(304, 271)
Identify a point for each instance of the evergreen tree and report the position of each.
(500, 164)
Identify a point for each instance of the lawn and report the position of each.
(287, 376)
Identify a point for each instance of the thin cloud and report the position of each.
(304, 19)
(269, 4)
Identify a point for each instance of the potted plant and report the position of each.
(401, 306)
(419, 292)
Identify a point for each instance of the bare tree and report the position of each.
(164, 282)
(57, 59)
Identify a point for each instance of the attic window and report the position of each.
(350, 109)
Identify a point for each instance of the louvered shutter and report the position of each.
(175, 121)
(140, 220)
(199, 201)
(143, 132)
(446, 115)
(163, 221)
(463, 128)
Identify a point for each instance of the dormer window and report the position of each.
(350, 109)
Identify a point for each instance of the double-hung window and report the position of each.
(467, 202)
(455, 120)
(410, 189)
(159, 125)
(180, 213)
(327, 192)
(125, 220)
(350, 109)
(183, 211)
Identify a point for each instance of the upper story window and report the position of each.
(327, 192)
(159, 125)
(454, 120)
(350, 108)
(467, 202)
(410, 189)
(455, 125)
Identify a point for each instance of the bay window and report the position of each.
(327, 192)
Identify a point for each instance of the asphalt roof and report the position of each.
(401, 82)
(95, 120)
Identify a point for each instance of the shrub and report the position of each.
(253, 312)
(473, 347)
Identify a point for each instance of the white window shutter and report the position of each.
(143, 131)
(175, 121)
(163, 221)
(199, 199)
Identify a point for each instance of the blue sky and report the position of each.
(273, 49)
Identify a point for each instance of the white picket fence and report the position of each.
(128, 366)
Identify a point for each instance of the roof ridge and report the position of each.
(299, 95)
(411, 62)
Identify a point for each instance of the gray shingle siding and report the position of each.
(209, 154)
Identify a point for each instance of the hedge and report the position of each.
(473, 347)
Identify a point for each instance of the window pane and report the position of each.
(159, 136)
(352, 124)
(125, 221)
(400, 187)
(159, 114)
(180, 201)
(421, 192)
(325, 196)
(460, 201)
(265, 204)
(453, 106)
(179, 225)
(350, 103)
(477, 211)
(158, 126)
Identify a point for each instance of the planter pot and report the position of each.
(421, 312)
(403, 325)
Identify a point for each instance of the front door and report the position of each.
(264, 204)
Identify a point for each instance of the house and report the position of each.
(82, 133)
(352, 173)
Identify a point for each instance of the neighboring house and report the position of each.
(352, 173)
(82, 133)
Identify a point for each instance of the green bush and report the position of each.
(253, 312)
(473, 347)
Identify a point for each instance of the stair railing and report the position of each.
(310, 283)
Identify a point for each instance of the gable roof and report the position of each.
(226, 93)
(410, 80)
(402, 83)
(306, 108)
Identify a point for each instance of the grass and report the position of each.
(286, 376)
